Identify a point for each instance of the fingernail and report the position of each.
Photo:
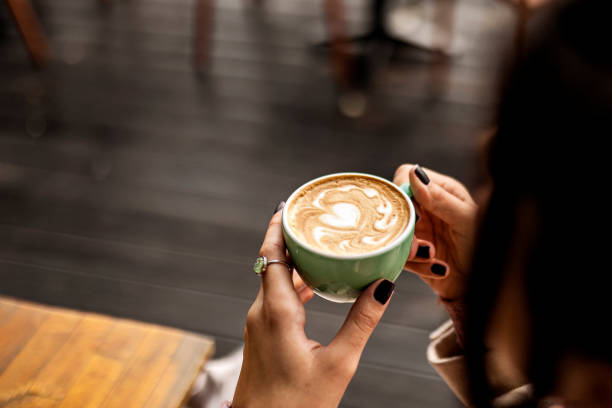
(279, 207)
(383, 291)
(423, 252)
(421, 175)
(438, 269)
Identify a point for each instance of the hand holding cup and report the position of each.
(447, 222)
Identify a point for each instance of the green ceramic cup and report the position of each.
(342, 278)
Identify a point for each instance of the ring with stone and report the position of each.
(262, 262)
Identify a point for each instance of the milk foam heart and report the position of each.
(348, 214)
(344, 215)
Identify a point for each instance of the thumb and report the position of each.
(362, 320)
(432, 197)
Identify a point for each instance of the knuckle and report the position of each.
(438, 199)
(274, 221)
(345, 367)
(456, 188)
(462, 188)
(365, 322)
(278, 313)
(252, 319)
(436, 191)
(269, 248)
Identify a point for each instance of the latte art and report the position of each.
(348, 215)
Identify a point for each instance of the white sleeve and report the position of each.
(446, 356)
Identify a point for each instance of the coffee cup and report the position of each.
(338, 269)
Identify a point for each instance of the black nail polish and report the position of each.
(423, 252)
(279, 207)
(383, 291)
(421, 175)
(438, 269)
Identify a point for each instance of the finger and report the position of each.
(298, 283)
(421, 251)
(361, 320)
(449, 184)
(434, 269)
(305, 294)
(402, 175)
(276, 279)
(437, 201)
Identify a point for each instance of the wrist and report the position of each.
(456, 311)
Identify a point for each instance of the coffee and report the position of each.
(348, 214)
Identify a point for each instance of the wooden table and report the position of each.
(51, 357)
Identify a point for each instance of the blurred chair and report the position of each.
(31, 31)
(377, 40)
(338, 43)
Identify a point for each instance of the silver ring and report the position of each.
(262, 262)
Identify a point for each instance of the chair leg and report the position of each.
(445, 17)
(31, 30)
(203, 31)
(339, 49)
(441, 61)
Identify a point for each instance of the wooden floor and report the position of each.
(133, 186)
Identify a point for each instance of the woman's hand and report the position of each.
(284, 368)
(447, 222)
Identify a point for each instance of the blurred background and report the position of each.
(145, 143)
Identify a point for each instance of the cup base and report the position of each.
(342, 294)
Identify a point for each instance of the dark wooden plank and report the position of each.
(414, 304)
(443, 121)
(167, 234)
(192, 175)
(191, 206)
(145, 187)
(196, 165)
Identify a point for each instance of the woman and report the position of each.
(529, 310)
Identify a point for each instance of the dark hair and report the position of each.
(549, 168)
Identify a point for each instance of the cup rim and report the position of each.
(399, 240)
